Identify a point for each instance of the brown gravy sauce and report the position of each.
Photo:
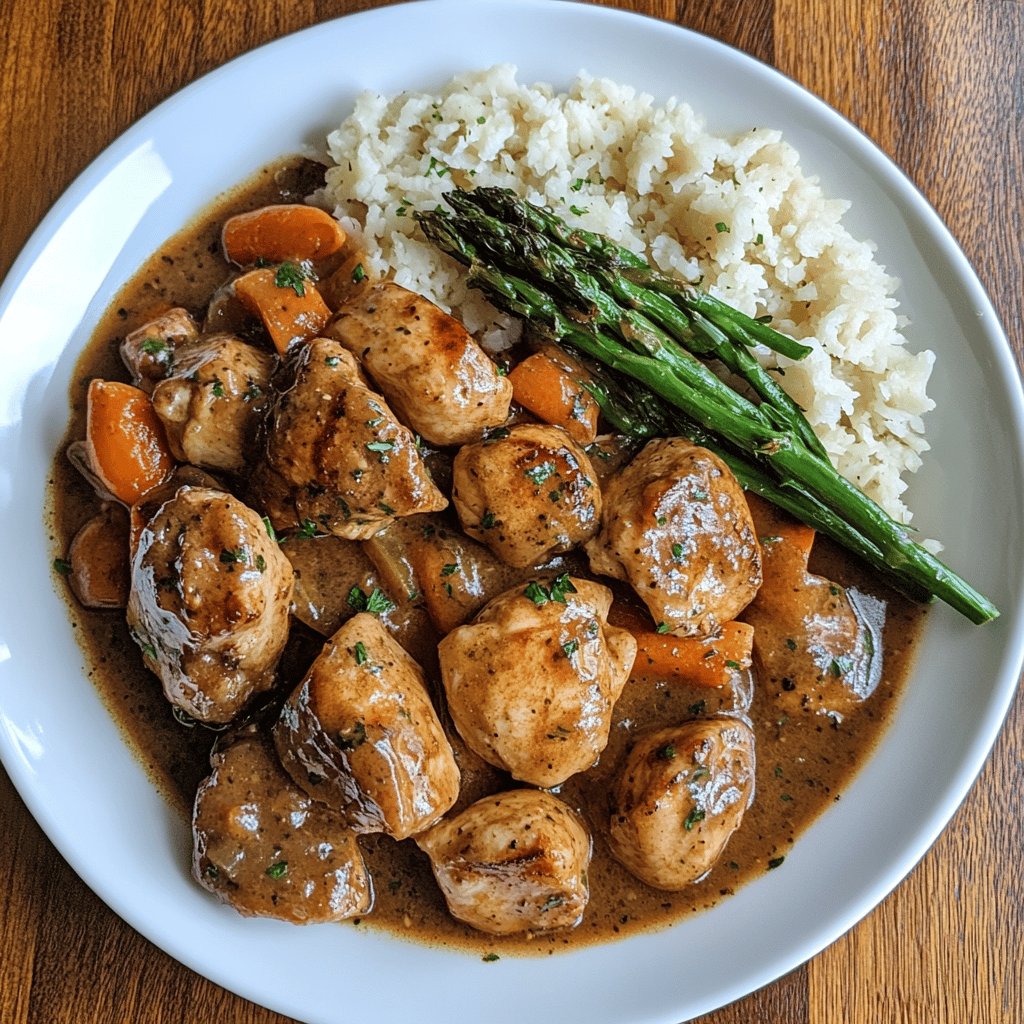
(802, 765)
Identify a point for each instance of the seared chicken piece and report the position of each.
(528, 494)
(679, 796)
(263, 846)
(351, 466)
(817, 645)
(149, 352)
(512, 862)
(425, 363)
(532, 680)
(677, 527)
(212, 405)
(209, 602)
(360, 734)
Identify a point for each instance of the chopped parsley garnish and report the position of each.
(385, 508)
(489, 521)
(252, 392)
(839, 666)
(760, 239)
(377, 603)
(230, 556)
(291, 275)
(662, 627)
(697, 708)
(775, 862)
(570, 648)
(721, 227)
(778, 771)
(785, 797)
(358, 274)
(536, 593)
(677, 552)
(497, 434)
(269, 526)
(360, 652)
(278, 870)
(261, 563)
(791, 643)
(62, 565)
(449, 569)
(331, 361)
(381, 448)
(307, 529)
(560, 586)
(538, 474)
(666, 753)
(735, 665)
(436, 167)
(695, 816)
(552, 901)
(661, 520)
(482, 120)
(217, 388)
(489, 958)
(153, 346)
(579, 210)
(578, 184)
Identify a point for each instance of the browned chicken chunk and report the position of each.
(263, 846)
(361, 734)
(351, 467)
(149, 352)
(512, 862)
(679, 796)
(213, 403)
(528, 494)
(676, 526)
(209, 602)
(531, 682)
(425, 362)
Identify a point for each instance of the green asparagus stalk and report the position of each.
(776, 449)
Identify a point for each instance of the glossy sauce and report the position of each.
(803, 763)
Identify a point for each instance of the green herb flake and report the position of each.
(721, 227)
(436, 167)
(695, 816)
(353, 739)
(217, 388)
(497, 434)
(536, 593)
(360, 652)
(661, 520)
(307, 529)
(385, 508)
(666, 753)
(734, 665)
(677, 552)
(261, 563)
(278, 870)
(269, 527)
(775, 862)
(377, 603)
(231, 556)
(489, 958)
(560, 586)
(662, 627)
(62, 566)
(449, 569)
(790, 643)
(760, 239)
(579, 211)
(481, 119)
(785, 797)
(291, 275)
(697, 708)
(578, 184)
(381, 448)
(359, 274)
(252, 392)
(489, 521)
(538, 474)
(552, 902)
(153, 346)
(331, 361)
(570, 648)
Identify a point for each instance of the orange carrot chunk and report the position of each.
(277, 233)
(553, 395)
(124, 440)
(701, 661)
(291, 308)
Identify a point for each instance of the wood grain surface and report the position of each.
(939, 85)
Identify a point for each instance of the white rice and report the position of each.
(735, 213)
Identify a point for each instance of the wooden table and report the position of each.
(939, 85)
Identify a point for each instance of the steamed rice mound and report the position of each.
(735, 214)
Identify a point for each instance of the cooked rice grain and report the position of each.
(735, 213)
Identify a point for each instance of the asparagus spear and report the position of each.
(773, 447)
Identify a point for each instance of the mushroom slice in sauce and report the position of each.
(213, 403)
(676, 526)
(512, 862)
(360, 733)
(817, 645)
(528, 492)
(425, 362)
(349, 464)
(149, 352)
(209, 602)
(263, 846)
(680, 794)
(100, 573)
(531, 682)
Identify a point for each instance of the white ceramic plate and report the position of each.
(66, 756)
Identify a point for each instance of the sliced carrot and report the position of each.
(701, 661)
(553, 395)
(290, 307)
(785, 544)
(276, 233)
(124, 440)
